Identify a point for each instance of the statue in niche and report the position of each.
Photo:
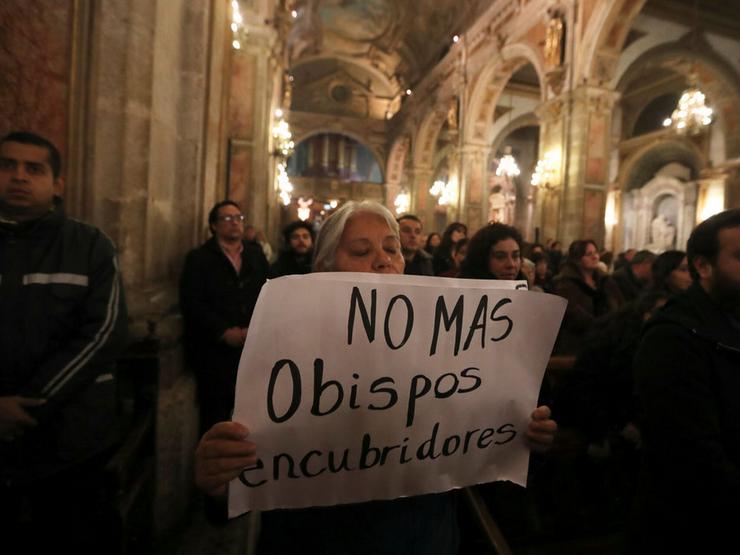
(663, 233)
(452, 121)
(554, 40)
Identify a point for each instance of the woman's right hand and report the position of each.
(221, 455)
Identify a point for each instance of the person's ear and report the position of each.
(703, 267)
(59, 187)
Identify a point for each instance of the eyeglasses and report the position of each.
(235, 218)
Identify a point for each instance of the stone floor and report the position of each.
(199, 537)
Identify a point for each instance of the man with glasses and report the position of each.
(219, 287)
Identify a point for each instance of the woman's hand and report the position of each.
(541, 429)
(221, 455)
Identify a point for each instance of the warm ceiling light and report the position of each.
(408, 92)
(455, 38)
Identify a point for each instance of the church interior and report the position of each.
(615, 120)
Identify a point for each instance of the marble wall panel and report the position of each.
(35, 67)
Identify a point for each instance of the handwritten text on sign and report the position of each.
(359, 387)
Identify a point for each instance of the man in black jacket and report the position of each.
(418, 261)
(219, 287)
(62, 324)
(635, 276)
(297, 255)
(688, 384)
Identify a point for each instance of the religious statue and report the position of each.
(554, 40)
(452, 114)
(663, 233)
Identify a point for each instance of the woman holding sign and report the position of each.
(359, 237)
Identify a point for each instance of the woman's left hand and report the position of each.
(541, 430)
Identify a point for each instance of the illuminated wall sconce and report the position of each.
(285, 187)
(239, 33)
(304, 208)
(610, 213)
(446, 192)
(545, 171)
(282, 136)
(712, 201)
(402, 202)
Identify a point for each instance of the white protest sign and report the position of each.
(362, 386)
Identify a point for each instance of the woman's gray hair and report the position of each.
(330, 233)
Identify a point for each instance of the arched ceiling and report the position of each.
(358, 57)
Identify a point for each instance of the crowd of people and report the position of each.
(637, 431)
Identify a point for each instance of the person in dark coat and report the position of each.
(589, 292)
(219, 286)
(296, 257)
(418, 262)
(442, 259)
(62, 326)
(359, 237)
(634, 277)
(671, 273)
(688, 386)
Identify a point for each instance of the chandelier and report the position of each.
(285, 187)
(445, 192)
(544, 171)
(402, 202)
(507, 165)
(284, 145)
(691, 115)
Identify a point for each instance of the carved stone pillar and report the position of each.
(256, 77)
(473, 209)
(577, 129)
(422, 203)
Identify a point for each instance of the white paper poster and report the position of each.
(362, 386)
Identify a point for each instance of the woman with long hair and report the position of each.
(442, 260)
(494, 252)
(590, 293)
(671, 272)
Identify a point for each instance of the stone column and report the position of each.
(587, 139)
(256, 80)
(546, 197)
(149, 152)
(473, 188)
(422, 203)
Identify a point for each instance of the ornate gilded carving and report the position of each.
(554, 39)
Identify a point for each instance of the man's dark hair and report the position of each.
(292, 226)
(704, 240)
(409, 217)
(213, 214)
(642, 256)
(28, 138)
(475, 264)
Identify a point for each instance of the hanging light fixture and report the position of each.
(507, 165)
(284, 144)
(285, 187)
(402, 202)
(691, 115)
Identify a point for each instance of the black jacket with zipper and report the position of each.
(688, 386)
(62, 325)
